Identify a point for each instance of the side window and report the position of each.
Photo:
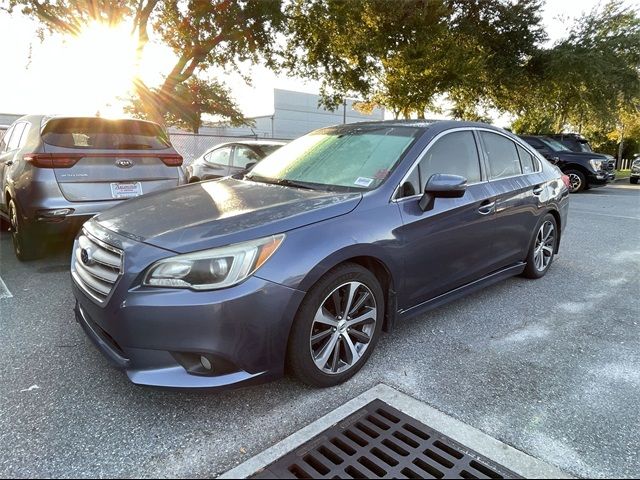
(5, 139)
(503, 156)
(529, 164)
(537, 144)
(244, 156)
(222, 156)
(14, 141)
(25, 135)
(454, 154)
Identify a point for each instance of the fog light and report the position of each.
(206, 363)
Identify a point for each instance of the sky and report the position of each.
(75, 76)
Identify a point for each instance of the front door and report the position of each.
(452, 244)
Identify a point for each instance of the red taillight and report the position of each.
(174, 160)
(566, 180)
(52, 160)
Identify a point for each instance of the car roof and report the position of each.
(422, 124)
(257, 143)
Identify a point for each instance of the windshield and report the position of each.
(584, 146)
(555, 145)
(358, 159)
(102, 133)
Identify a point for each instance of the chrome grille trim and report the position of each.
(99, 278)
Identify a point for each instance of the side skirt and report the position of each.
(463, 291)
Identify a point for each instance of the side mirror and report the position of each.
(440, 185)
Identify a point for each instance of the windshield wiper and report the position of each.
(280, 181)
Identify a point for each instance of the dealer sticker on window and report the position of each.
(363, 181)
(126, 189)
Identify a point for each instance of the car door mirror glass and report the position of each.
(441, 185)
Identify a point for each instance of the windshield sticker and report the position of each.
(363, 181)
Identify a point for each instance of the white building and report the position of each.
(294, 114)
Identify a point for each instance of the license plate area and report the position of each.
(126, 189)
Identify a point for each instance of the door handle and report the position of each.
(538, 190)
(486, 208)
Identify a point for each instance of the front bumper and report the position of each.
(152, 334)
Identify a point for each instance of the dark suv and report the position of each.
(585, 169)
(577, 143)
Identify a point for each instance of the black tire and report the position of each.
(634, 180)
(578, 181)
(22, 235)
(300, 359)
(532, 270)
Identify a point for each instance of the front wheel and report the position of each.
(543, 248)
(337, 327)
(577, 181)
(634, 180)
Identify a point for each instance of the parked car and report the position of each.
(57, 172)
(578, 143)
(230, 159)
(635, 170)
(305, 260)
(584, 169)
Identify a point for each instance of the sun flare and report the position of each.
(106, 60)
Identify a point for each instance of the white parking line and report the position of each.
(4, 291)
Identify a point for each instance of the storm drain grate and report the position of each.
(380, 441)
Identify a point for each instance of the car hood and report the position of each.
(584, 155)
(220, 212)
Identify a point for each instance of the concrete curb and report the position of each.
(515, 460)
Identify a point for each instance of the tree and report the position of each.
(586, 80)
(202, 34)
(406, 55)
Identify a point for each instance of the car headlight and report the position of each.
(596, 164)
(213, 269)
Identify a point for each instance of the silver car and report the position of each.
(57, 172)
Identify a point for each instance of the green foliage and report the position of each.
(202, 34)
(192, 99)
(406, 55)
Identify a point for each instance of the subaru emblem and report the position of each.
(86, 257)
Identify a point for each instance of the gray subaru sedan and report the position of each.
(303, 262)
(57, 172)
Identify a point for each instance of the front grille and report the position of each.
(379, 441)
(98, 273)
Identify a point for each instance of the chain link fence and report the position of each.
(191, 146)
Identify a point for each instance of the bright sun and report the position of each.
(106, 57)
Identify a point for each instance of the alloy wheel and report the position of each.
(343, 327)
(575, 181)
(13, 218)
(545, 244)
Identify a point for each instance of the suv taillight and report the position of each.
(566, 180)
(173, 160)
(52, 160)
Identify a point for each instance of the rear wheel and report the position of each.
(337, 327)
(24, 244)
(634, 180)
(543, 248)
(577, 181)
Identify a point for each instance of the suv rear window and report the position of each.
(104, 134)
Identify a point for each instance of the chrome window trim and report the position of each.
(482, 159)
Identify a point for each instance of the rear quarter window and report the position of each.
(103, 134)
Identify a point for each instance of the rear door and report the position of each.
(516, 187)
(217, 163)
(97, 159)
(243, 157)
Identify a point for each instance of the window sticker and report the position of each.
(363, 181)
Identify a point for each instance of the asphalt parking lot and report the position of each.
(551, 367)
